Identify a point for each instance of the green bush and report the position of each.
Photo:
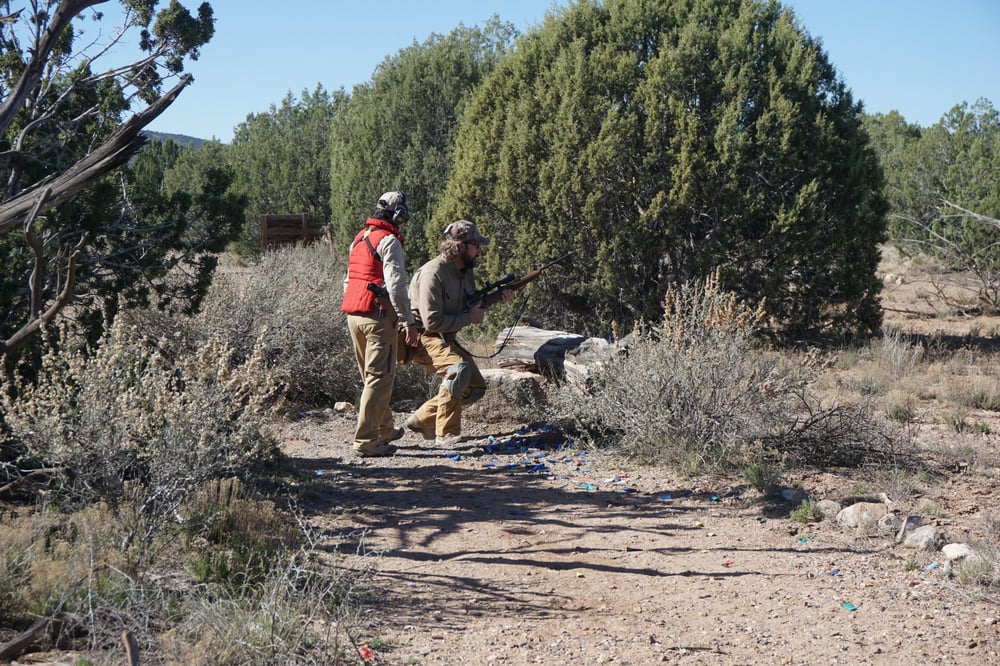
(762, 475)
(807, 512)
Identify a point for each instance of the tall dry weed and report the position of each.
(137, 425)
(289, 302)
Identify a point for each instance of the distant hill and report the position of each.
(182, 139)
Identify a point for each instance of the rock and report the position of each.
(926, 537)
(861, 515)
(889, 524)
(829, 508)
(909, 524)
(957, 551)
(510, 394)
(344, 407)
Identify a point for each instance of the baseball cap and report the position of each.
(395, 202)
(466, 232)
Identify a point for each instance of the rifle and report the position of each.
(491, 293)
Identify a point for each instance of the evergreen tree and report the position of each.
(662, 140)
(281, 162)
(907, 186)
(944, 191)
(397, 132)
(65, 129)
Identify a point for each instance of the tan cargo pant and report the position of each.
(375, 351)
(443, 412)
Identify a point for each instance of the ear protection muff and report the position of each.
(401, 214)
(400, 211)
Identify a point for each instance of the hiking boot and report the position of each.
(413, 424)
(447, 441)
(381, 450)
(394, 435)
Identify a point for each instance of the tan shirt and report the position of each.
(439, 295)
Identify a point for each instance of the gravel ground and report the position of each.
(518, 548)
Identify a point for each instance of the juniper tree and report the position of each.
(68, 227)
(663, 140)
(397, 131)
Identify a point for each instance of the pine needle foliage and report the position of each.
(662, 140)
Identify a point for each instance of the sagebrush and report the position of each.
(136, 424)
(289, 303)
(700, 392)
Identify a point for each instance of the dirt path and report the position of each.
(524, 551)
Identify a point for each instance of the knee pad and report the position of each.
(474, 395)
(456, 379)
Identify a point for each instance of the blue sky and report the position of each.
(918, 57)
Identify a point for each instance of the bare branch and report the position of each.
(125, 142)
(61, 20)
(968, 213)
(30, 328)
(38, 271)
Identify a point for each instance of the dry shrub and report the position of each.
(982, 569)
(691, 393)
(269, 596)
(881, 363)
(980, 391)
(896, 353)
(296, 614)
(138, 425)
(290, 302)
(699, 393)
(279, 600)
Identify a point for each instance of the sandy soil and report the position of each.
(537, 552)
(518, 547)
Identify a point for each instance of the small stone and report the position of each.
(957, 551)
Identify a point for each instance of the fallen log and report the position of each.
(555, 354)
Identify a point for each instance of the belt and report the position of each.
(374, 314)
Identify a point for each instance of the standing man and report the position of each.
(375, 300)
(439, 293)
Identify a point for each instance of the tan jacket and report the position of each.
(439, 295)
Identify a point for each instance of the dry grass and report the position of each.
(142, 519)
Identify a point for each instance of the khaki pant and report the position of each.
(375, 350)
(443, 412)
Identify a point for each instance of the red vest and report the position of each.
(364, 266)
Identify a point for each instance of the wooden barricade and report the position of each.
(276, 230)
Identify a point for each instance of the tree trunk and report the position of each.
(556, 354)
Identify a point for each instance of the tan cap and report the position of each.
(466, 232)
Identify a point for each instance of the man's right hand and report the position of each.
(412, 336)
